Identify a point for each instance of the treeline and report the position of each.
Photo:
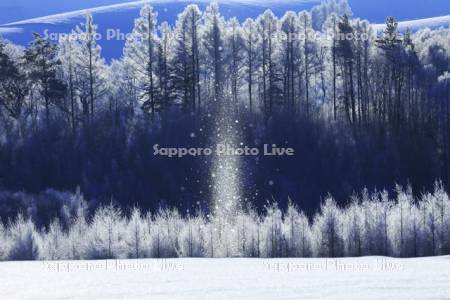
(371, 224)
(311, 64)
(361, 108)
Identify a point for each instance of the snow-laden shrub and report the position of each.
(247, 234)
(353, 229)
(403, 217)
(24, 240)
(222, 235)
(377, 216)
(74, 207)
(4, 243)
(54, 243)
(434, 210)
(76, 236)
(137, 237)
(164, 229)
(273, 241)
(192, 239)
(443, 204)
(328, 229)
(106, 234)
(297, 231)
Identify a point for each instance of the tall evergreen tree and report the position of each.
(267, 23)
(91, 68)
(140, 54)
(43, 63)
(213, 42)
(251, 41)
(186, 57)
(290, 56)
(162, 71)
(346, 55)
(66, 55)
(235, 55)
(13, 84)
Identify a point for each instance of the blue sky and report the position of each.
(374, 10)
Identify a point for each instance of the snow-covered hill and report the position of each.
(350, 278)
(419, 24)
(9, 30)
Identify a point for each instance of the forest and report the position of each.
(364, 111)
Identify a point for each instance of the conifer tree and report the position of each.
(91, 68)
(140, 55)
(42, 62)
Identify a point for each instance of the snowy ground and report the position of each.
(360, 278)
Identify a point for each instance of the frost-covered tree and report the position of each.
(140, 53)
(213, 35)
(106, 237)
(431, 221)
(136, 235)
(24, 240)
(328, 230)
(13, 84)
(321, 12)
(363, 40)
(77, 243)
(243, 232)
(162, 70)
(297, 233)
(308, 48)
(353, 229)
(225, 234)
(377, 215)
(402, 223)
(4, 243)
(437, 220)
(252, 238)
(271, 226)
(234, 55)
(392, 47)
(444, 217)
(251, 39)
(267, 28)
(68, 72)
(345, 52)
(91, 70)
(124, 96)
(163, 229)
(330, 30)
(290, 57)
(186, 57)
(192, 239)
(54, 243)
(42, 63)
(416, 233)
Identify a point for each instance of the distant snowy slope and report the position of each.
(419, 24)
(7, 30)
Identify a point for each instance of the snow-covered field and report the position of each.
(352, 278)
